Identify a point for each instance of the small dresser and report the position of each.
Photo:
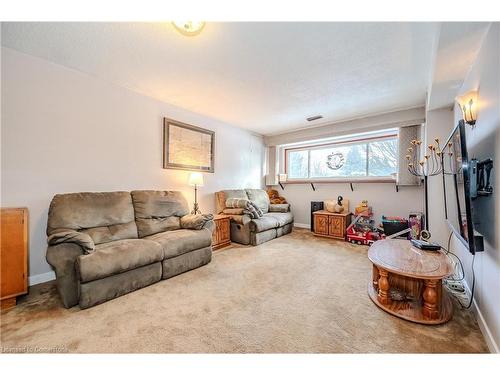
(14, 255)
(222, 232)
(330, 224)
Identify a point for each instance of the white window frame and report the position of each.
(361, 140)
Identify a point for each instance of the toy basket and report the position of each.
(394, 225)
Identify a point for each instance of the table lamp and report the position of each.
(195, 179)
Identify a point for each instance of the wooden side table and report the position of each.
(412, 275)
(330, 224)
(14, 255)
(221, 236)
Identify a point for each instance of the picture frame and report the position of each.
(187, 147)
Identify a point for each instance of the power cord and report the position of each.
(455, 283)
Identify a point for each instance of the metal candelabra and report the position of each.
(454, 161)
(424, 166)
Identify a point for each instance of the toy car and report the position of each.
(363, 238)
(363, 232)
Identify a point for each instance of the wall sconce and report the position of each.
(468, 105)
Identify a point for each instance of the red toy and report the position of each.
(363, 232)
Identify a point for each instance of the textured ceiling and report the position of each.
(265, 77)
(459, 44)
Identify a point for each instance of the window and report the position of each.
(362, 158)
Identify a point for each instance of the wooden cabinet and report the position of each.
(329, 224)
(13, 255)
(221, 236)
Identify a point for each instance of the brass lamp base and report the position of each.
(196, 209)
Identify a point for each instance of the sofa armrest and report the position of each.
(210, 225)
(284, 207)
(197, 222)
(60, 236)
(233, 211)
(240, 219)
(63, 258)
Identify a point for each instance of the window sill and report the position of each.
(341, 180)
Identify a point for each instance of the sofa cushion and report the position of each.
(104, 217)
(158, 211)
(182, 241)
(112, 232)
(282, 218)
(235, 193)
(282, 207)
(271, 220)
(116, 257)
(260, 198)
(266, 222)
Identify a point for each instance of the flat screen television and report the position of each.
(457, 173)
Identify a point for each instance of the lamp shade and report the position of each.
(468, 105)
(196, 179)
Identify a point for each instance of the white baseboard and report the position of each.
(483, 326)
(300, 225)
(41, 278)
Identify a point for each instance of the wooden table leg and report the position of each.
(375, 277)
(383, 287)
(430, 295)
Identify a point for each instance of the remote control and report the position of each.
(424, 245)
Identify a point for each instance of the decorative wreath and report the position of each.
(335, 160)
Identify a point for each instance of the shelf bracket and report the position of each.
(281, 185)
(352, 188)
(313, 187)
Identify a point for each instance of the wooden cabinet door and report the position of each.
(13, 252)
(222, 230)
(321, 224)
(222, 233)
(336, 226)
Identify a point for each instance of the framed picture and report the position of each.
(187, 147)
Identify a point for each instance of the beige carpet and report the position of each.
(298, 293)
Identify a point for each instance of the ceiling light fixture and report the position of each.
(312, 118)
(189, 28)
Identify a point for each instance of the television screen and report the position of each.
(457, 173)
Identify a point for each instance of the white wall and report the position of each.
(63, 131)
(382, 197)
(438, 124)
(484, 141)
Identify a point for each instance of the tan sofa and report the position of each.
(104, 245)
(276, 221)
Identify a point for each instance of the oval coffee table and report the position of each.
(407, 282)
